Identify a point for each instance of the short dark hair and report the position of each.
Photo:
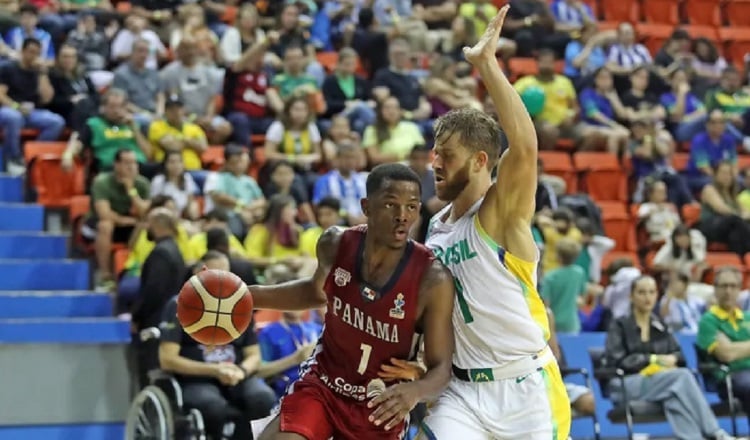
(330, 203)
(121, 152)
(586, 226)
(477, 131)
(28, 8)
(544, 52)
(218, 215)
(211, 256)
(563, 214)
(390, 172)
(420, 148)
(232, 150)
(30, 41)
(217, 239)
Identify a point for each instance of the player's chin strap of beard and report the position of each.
(375, 388)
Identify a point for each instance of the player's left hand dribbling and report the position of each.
(394, 404)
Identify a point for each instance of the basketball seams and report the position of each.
(223, 307)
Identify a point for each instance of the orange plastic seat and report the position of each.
(661, 11)
(612, 256)
(698, 31)
(524, 66)
(617, 224)
(680, 161)
(54, 186)
(691, 213)
(717, 260)
(213, 157)
(702, 12)
(654, 35)
(737, 13)
(602, 175)
(119, 260)
(32, 149)
(736, 42)
(559, 164)
(743, 161)
(620, 10)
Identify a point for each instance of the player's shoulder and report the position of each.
(328, 244)
(435, 273)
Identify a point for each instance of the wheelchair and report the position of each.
(157, 412)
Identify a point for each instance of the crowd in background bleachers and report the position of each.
(261, 118)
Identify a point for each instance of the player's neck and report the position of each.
(375, 254)
(468, 197)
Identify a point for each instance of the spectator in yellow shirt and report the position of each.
(561, 225)
(216, 218)
(391, 138)
(558, 117)
(328, 214)
(277, 239)
(174, 133)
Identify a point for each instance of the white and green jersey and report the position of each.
(498, 315)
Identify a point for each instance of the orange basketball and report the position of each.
(214, 307)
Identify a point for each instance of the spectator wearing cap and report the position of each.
(112, 130)
(235, 192)
(24, 89)
(198, 85)
(142, 84)
(28, 17)
(174, 133)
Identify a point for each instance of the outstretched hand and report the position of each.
(486, 47)
(394, 404)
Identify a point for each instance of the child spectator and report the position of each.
(564, 287)
(679, 310)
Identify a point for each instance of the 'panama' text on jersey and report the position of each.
(356, 318)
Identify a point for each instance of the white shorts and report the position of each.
(531, 407)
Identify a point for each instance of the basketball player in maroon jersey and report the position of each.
(380, 289)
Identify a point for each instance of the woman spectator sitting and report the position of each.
(348, 94)
(722, 220)
(390, 139)
(674, 54)
(192, 20)
(642, 345)
(686, 112)
(585, 55)
(683, 252)
(640, 104)
(177, 184)
(281, 181)
(295, 138)
(658, 215)
(707, 65)
(446, 91)
(599, 118)
(276, 240)
(75, 97)
(242, 36)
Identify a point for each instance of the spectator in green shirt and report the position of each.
(563, 288)
(724, 332)
(293, 80)
(734, 101)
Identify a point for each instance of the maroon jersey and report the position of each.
(366, 327)
(247, 92)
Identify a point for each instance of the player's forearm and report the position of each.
(434, 381)
(516, 124)
(295, 295)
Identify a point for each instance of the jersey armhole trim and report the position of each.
(496, 247)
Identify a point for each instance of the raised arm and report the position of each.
(398, 400)
(508, 207)
(306, 293)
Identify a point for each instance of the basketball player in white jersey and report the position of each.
(506, 382)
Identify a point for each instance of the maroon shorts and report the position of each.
(316, 412)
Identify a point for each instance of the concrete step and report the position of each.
(21, 217)
(64, 331)
(54, 304)
(44, 274)
(33, 245)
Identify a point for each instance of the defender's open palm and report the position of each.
(487, 45)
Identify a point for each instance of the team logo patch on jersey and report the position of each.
(369, 294)
(398, 311)
(341, 277)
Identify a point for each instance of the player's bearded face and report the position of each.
(453, 183)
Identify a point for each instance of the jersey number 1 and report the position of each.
(365, 359)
